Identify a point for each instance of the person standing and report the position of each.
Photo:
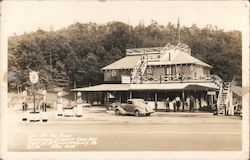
(167, 104)
(192, 101)
(188, 103)
(174, 105)
(24, 103)
(197, 104)
(44, 103)
(178, 102)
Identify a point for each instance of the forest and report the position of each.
(74, 55)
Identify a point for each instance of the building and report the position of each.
(160, 72)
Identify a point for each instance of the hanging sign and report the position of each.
(211, 93)
(33, 77)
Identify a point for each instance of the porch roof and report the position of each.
(144, 87)
(104, 87)
(175, 86)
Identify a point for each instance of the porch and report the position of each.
(171, 79)
(154, 94)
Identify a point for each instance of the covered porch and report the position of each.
(154, 94)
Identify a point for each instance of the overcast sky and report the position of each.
(26, 16)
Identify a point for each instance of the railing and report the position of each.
(175, 79)
(158, 50)
(183, 47)
(218, 80)
(139, 51)
(219, 100)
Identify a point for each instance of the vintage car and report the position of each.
(135, 107)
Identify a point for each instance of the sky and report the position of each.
(27, 16)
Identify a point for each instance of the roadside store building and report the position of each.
(157, 73)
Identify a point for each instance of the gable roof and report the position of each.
(127, 62)
(185, 58)
(180, 58)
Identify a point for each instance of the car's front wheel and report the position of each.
(148, 114)
(137, 113)
(117, 112)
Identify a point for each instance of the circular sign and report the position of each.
(33, 77)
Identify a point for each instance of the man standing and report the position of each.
(178, 102)
(174, 104)
(192, 101)
(167, 104)
(24, 103)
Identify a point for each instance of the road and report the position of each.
(171, 134)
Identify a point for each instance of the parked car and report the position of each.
(135, 107)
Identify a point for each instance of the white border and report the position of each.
(127, 155)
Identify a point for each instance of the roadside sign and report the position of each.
(211, 93)
(33, 77)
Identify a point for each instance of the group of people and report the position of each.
(177, 103)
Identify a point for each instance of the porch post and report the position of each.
(103, 98)
(107, 99)
(87, 97)
(97, 97)
(183, 100)
(155, 101)
(120, 97)
(183, 95)
(130, 95)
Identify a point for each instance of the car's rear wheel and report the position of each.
(117, 112)
(148, 114)
(137, 113)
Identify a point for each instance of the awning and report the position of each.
(104, 87)
(237, 90)
(175, 86)
(143, 87)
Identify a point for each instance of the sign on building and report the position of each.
(125, 79)
(211, 93)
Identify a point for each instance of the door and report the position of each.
(129, 107)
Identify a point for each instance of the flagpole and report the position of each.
(179, 30)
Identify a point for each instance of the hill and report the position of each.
(74, 55)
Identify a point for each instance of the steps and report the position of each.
(141, 65)
(223, 98)
(139, 69)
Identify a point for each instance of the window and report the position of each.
(129, 102)
(113, 73)
(168, 70)
(149, 71)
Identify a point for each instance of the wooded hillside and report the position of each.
(76, 53)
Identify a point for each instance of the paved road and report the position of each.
(187, 135)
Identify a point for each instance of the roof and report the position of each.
(127, 62)
(185, 58)
(181, 58)
(104, 87)
(237, 90)
(175, 86)
(168, 86)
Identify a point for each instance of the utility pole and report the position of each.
(179, 31)
(50, 59)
